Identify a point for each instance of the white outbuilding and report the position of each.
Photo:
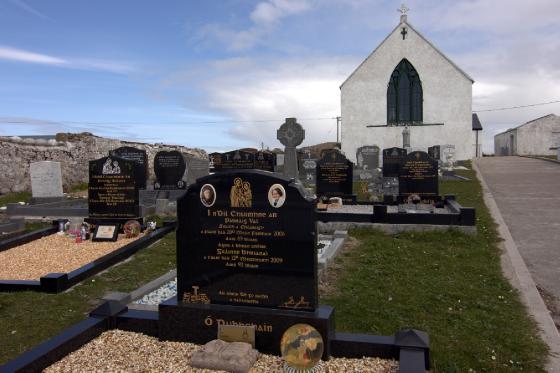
(406, 82)
(539, 136)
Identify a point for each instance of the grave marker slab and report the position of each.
(419, 175)
(435, 152)
(112, 191)
(334, 175)
(367, 157)
(392, 160)
(46, 179)
(169, 167)
(265, 161)
(247, 238)
(196, 168)
(137, 155)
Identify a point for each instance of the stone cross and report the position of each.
(403, 10)
(290, 134)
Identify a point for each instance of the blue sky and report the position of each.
(223, 74)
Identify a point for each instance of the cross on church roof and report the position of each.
(403, 9)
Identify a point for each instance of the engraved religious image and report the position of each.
(208, 195)
(195, 296)
(111, 169)
(241, 194)
(276, 195)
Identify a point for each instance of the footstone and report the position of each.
(236, 357)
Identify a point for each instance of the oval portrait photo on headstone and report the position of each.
(207, 195)
(276, 195)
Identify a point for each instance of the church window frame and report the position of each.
(404, 95)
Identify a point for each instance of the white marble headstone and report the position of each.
(46, 179)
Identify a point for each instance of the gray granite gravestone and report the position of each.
(196, 167)
(290, 134)
(46, 179)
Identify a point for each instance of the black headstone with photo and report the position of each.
(334, 176)
(137, 155)
(169, 167)
(246, 254)
(419, 176)
(112, 189)
(392, 161)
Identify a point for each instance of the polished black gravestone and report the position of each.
(112, 190)
(334, 176)
(234, 160)
(265, 161)
(419, 176)
(392, 161)
(435, 152)
(137, 155)
(245, 254)
(169, 167)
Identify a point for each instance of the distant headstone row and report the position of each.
(243, 160)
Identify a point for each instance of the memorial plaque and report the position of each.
(367, 157)
(392, 161)
(264, 161)
(46, 179)
(112, 191)
(419, 175)
(334, 175)
(137, 155)
(435, 152)
(169, 167)
(247, 238)
(196, 167)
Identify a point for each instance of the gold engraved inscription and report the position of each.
(195, 296)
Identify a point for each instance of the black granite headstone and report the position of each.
(419, 175)
(169, 167)
(247, 238)
(112, 190)
(392, 161)
(334, 175)
(265, 161)
(139, 156)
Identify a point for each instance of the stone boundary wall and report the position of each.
(73, 151)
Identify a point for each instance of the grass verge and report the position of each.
(14, 198)
(28, 318)
(448, 284)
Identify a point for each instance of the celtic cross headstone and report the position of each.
(290, 134)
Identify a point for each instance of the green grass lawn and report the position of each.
(28, 318)
(448, 284)
(14, 198)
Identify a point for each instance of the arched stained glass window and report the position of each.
(404, 95)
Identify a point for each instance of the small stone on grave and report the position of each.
(236, 357)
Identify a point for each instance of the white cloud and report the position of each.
(267, 12)
(20, 55)
(13, 54)
(265, 16)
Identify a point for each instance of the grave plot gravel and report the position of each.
(159, 295)
(52, 254)
(350, 209)
(120, 351)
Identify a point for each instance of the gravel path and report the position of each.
(52, 254)
(119, 351)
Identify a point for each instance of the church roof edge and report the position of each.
(405, 22)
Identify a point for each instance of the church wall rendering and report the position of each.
(447, 98)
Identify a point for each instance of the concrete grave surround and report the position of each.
(447, 97)
(46, 179)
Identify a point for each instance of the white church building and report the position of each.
(406, 82)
